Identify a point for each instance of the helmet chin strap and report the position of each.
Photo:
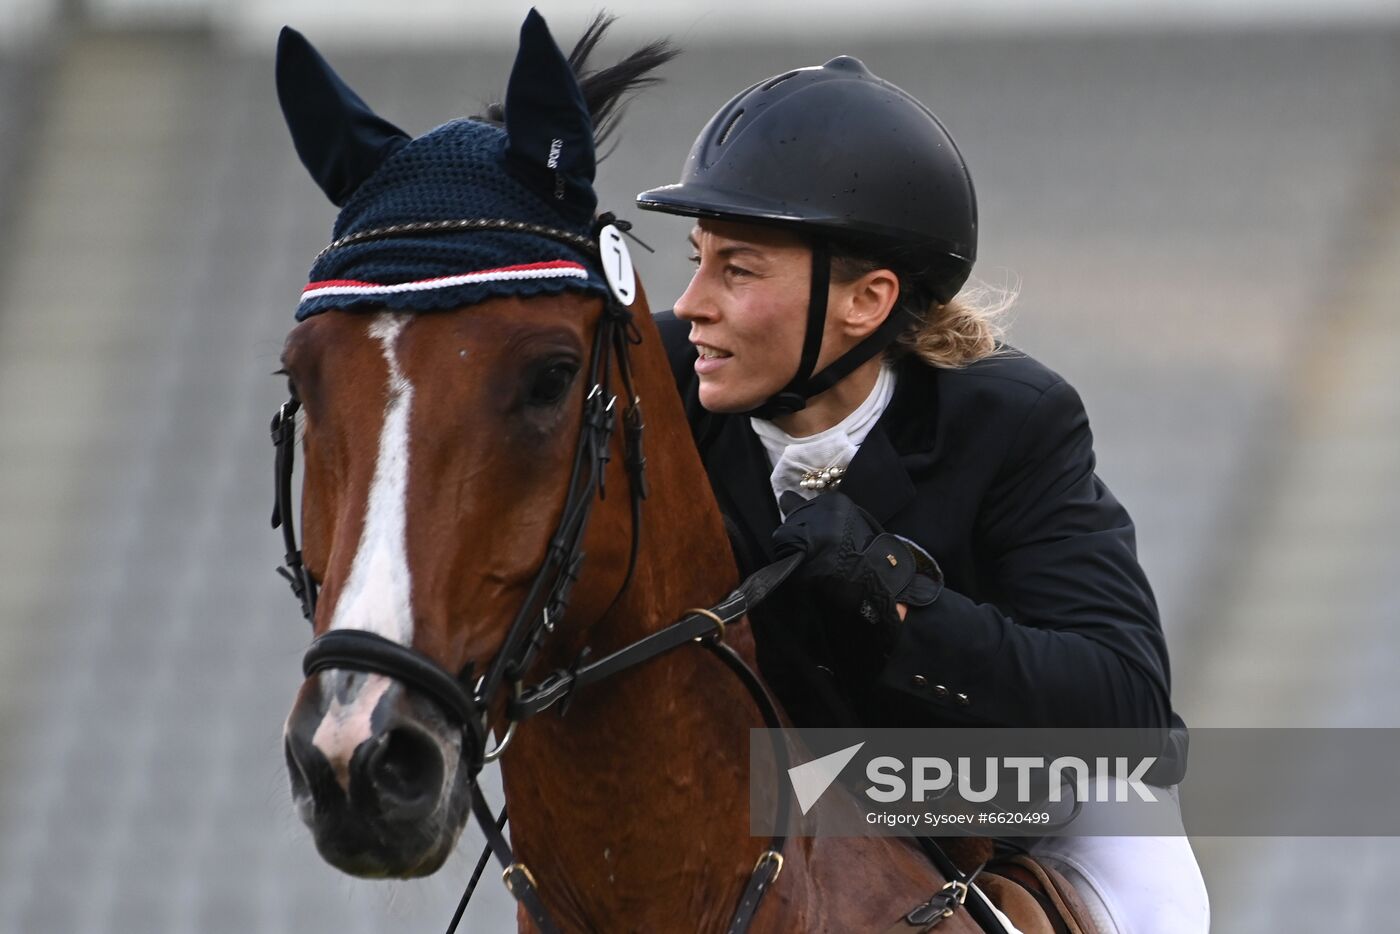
(793, 397)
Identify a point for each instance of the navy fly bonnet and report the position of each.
(444, 220)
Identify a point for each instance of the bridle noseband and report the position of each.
(548, 597)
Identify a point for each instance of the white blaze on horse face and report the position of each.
(376, 597)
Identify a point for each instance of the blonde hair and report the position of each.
(967, 329)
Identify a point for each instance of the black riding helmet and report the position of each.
(845, 158)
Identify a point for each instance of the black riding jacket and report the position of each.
(1046, 620)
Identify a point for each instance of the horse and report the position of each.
(478, 516)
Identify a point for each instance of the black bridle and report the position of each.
(547, 599)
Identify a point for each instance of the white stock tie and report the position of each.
(820, 459)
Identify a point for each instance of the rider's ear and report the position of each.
(550, 145)
(339, 139)
(872, 298)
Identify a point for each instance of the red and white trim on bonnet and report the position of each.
(554, 269)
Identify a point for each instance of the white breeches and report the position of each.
(1133, 885)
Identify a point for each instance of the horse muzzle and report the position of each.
(377, 774)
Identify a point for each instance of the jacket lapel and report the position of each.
(877, 479)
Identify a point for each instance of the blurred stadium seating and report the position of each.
(1205, 229)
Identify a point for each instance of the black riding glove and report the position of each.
(858, 571)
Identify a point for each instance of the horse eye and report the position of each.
(551, 383)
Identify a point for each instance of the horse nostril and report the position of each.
(405, 769)
(312, 777)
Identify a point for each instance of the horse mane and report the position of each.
(606, 91)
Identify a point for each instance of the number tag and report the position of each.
(617, 264)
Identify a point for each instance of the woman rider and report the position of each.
(838, 387)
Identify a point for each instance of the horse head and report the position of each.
(461, 374)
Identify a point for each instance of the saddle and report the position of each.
(1035, 897)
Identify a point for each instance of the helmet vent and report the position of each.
(729, 127)
(777, 81)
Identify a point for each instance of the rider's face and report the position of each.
(747, 308)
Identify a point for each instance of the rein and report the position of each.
(548, 597)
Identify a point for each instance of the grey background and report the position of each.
(1204, 226)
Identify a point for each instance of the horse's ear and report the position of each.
(339, 139)
(550, 145)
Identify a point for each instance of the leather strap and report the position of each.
(874, 342)
(284, 427)
(361, 650)
(955, 876)
(769, 710)
(516, 876)
(930, 914)
(765, 873)
(476, 877)
(942, 905)
(793, 397)
(563, 682)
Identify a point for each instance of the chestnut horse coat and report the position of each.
(1047, 618)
